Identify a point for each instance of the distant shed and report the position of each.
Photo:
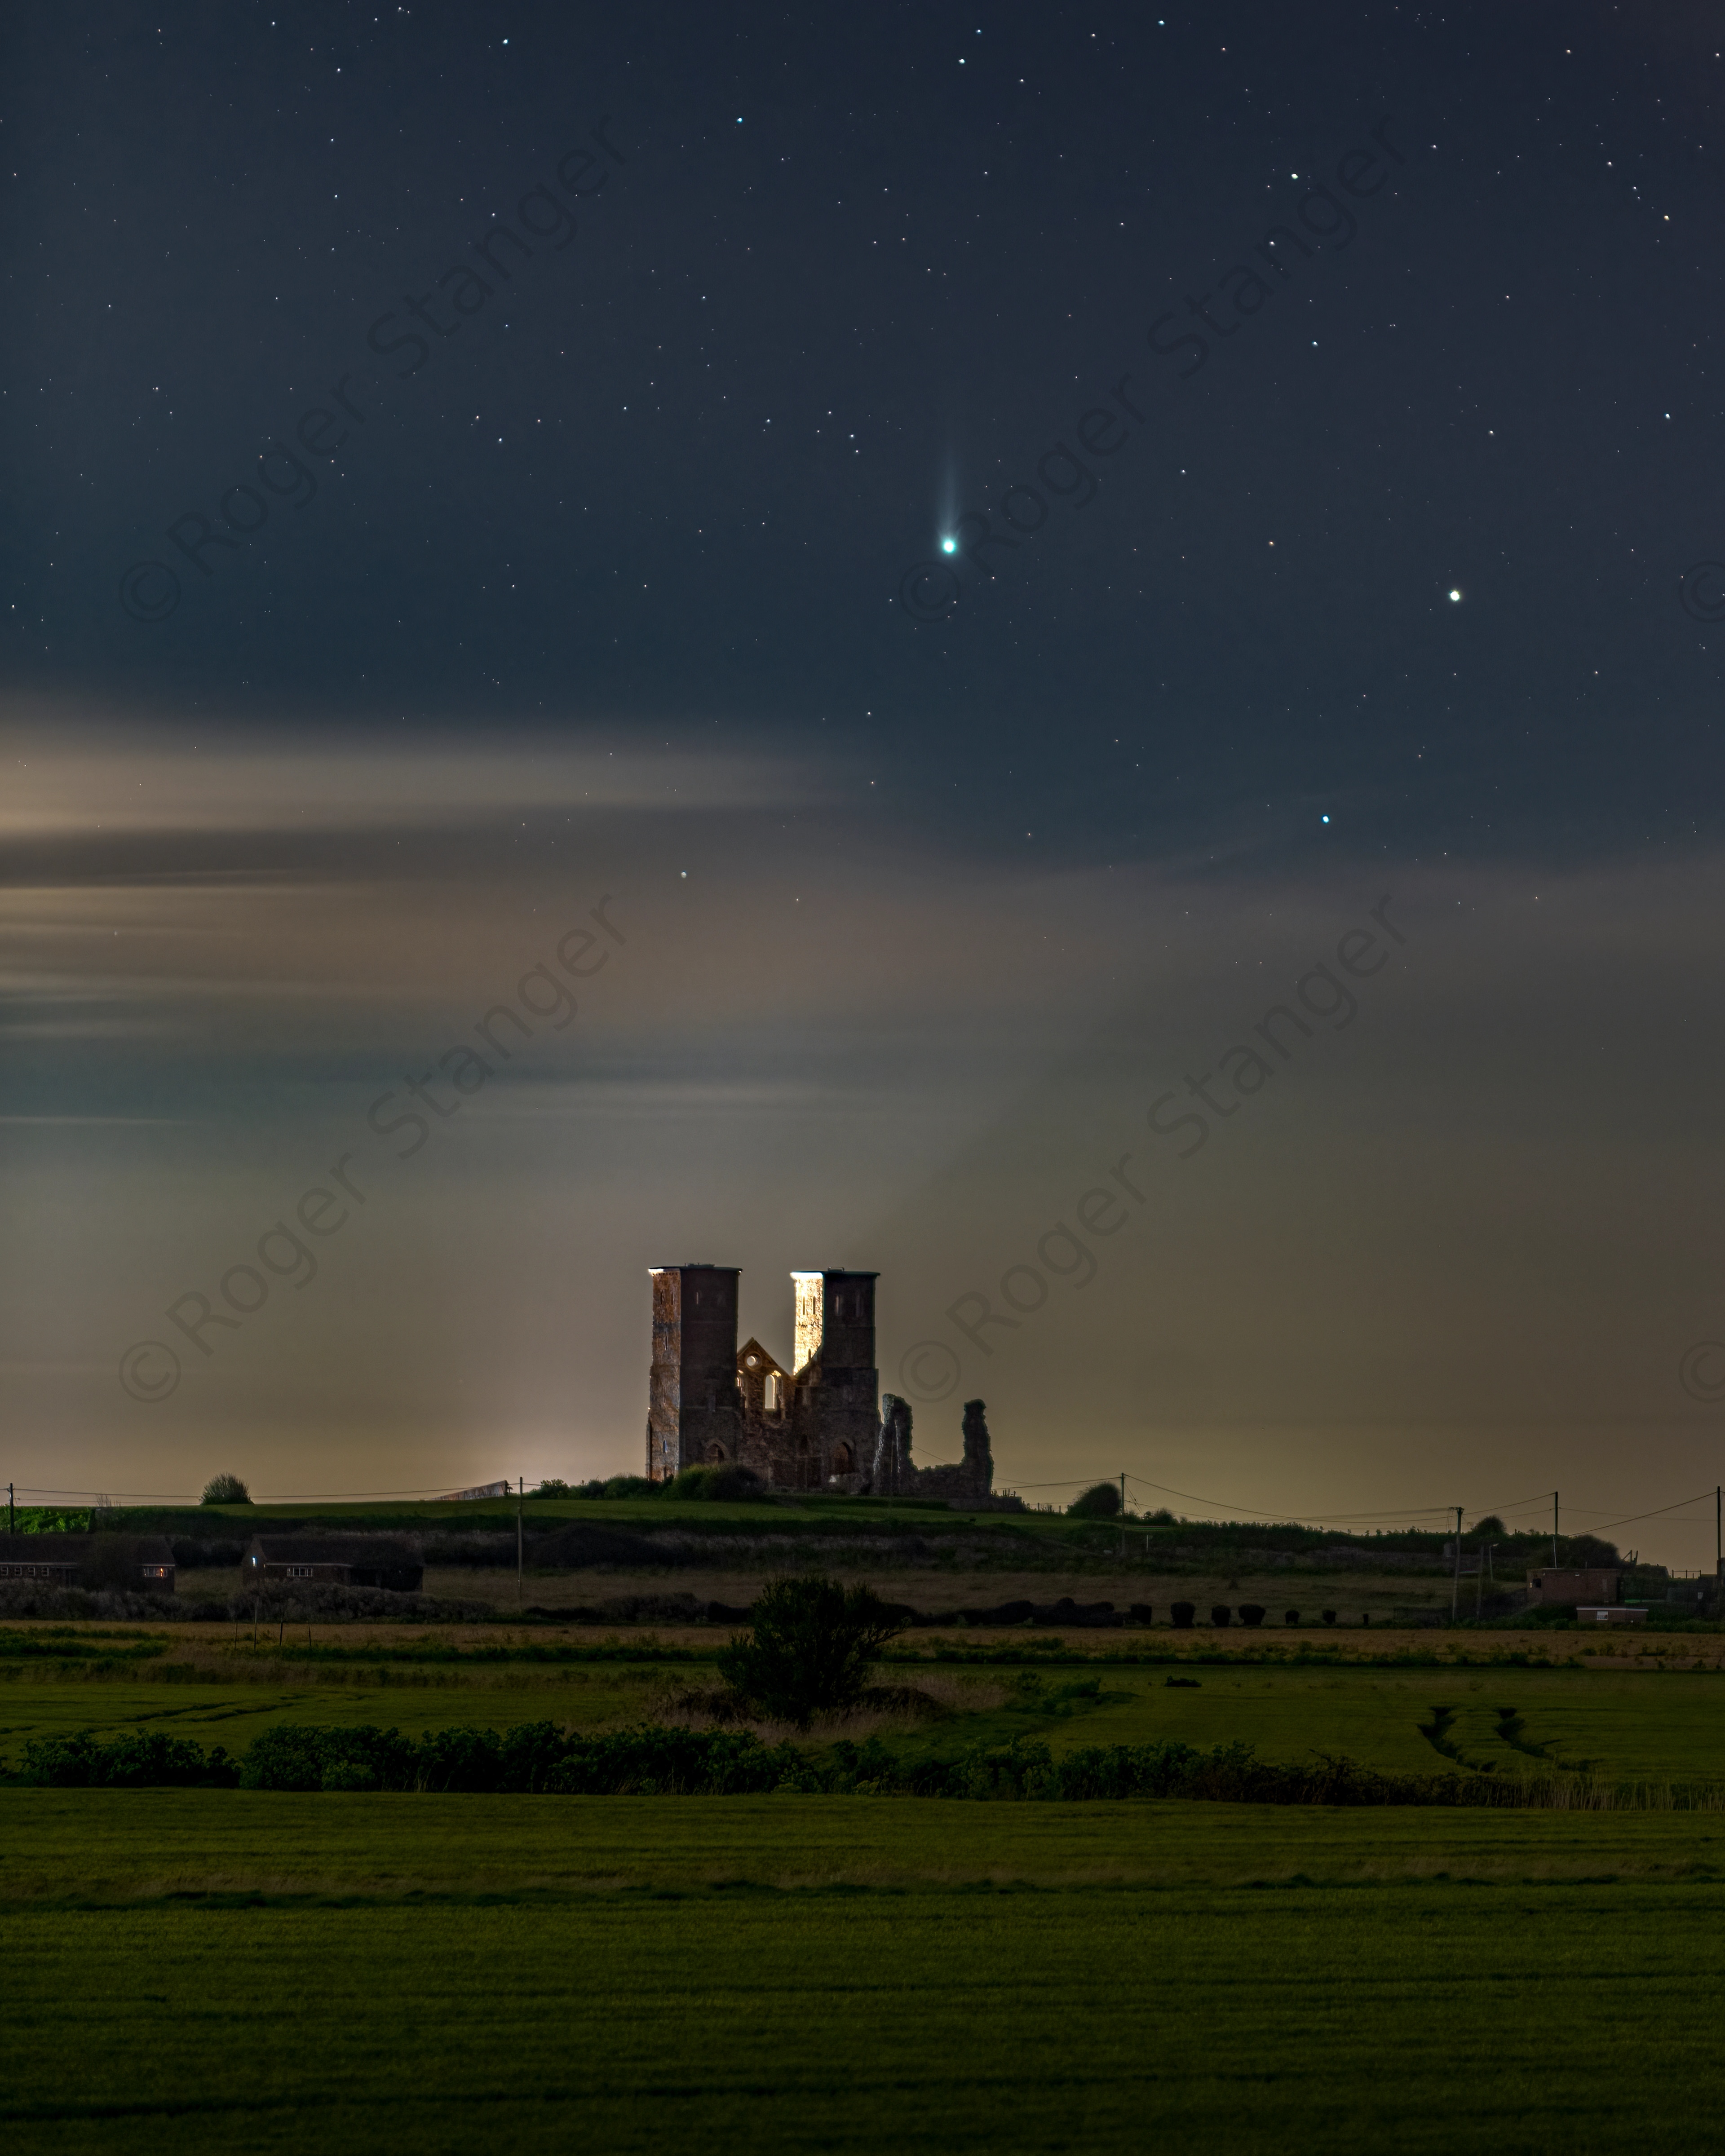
(331, 1561)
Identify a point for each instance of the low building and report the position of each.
(331, 1561)
(135, 1563)
(1596, 1584)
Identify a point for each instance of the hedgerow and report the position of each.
(538, 1758)
(152, 1761)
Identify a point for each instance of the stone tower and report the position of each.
(979, 1457)
(837, 1416)
(693, 1410)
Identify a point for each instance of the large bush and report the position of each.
(152, 1761)
(809, 1651)
(225, 1490)
(1101, 1502)
(726, 1484)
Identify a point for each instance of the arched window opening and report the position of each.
(841, 1459)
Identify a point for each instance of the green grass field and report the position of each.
(451, 1974)
(1647, 1724)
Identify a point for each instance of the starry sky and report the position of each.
(952, 565)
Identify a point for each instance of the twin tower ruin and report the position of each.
(814, 1426)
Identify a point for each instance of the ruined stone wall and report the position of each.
(893, 1473)
(767, 1429)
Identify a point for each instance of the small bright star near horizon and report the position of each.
(1455, 595)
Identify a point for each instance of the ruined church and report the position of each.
(814, 1426)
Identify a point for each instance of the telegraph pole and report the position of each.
(11, 1510)
(1553, 1530)
(521, 1571)
(1122, 1517)
(1455, 1584)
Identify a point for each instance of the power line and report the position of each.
(1402, 1512)
(1520, 1505)
(1700, 1496)
(263, 1497)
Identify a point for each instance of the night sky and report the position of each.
(896, 583)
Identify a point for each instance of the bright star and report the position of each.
(1455, 595)
(949, 546)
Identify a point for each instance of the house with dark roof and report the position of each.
(331, 1561)
(137, 1563)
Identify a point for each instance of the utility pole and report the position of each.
(1553, 1530)
(1455, 1584)
(1718, 1552)
(1122, 1519)
(11, 1510)
(1479, 1596)
(521, 1573)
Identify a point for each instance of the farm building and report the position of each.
(1597, 1585)
(331, 1561)
(138, 1563)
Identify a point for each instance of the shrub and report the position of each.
(306, 1757)
(629, 1486)
(1220, 1613)
(153, 1761)
(1251, 1613)
(553, 1486)
(1181, 1614)
(1328, 1616)
(225, 1490)
(809, 1648)
(1290, 1617)
(1101, 1502)
(348, 1774)
(724, 1483)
